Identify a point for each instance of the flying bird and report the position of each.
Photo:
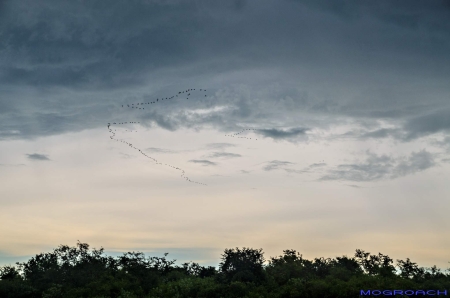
(136, 106)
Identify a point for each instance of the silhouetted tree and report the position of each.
(375, 264)
(290, 265)
(195, 269)
(344, 268)
(75, 272)
(409, 269)
(244, 265)
(8, 273)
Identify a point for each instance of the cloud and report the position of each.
(282, 134)
(377, 167)
(296, 171)
(167, 121)
(159, 150)
(428, 124)
(223, 155)
(276, 164)
(309, 169)
(353, 185)
(416, 162)
(204, 162)
(36, 156)
(317, 165)
(382, 133)
(63, 59)
(220, 145)
(407, 16)
(125, 155)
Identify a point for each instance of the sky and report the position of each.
(193, 126)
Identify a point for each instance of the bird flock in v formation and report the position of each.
(141, 106)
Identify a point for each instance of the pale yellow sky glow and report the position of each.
(339, 116)
(104, 193)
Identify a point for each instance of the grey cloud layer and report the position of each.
(282, 134)
(224, 155)
(220, 145)
(203, 162)
(377, 167)
(276, 164)
(159, 150)
(433, 122)
(67, 66)
(36, 156)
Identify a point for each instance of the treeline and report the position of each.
(79, 272)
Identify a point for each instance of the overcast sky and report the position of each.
(320, 126)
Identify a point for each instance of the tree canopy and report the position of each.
(243, 272)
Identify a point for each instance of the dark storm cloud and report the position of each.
(96, 44)
(276, 164)
(442, 144)
(402, 13)
(380, 133)
(404, 134)
(67, 66)
(437, 121)
(36, 156)
(164, 121)
(33, 122)
(223, 155)
(377, 167)
(105, 45)
(203, 162)
(239, 4)
(282, 134)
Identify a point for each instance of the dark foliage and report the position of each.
(80, 272)
(243, 265)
